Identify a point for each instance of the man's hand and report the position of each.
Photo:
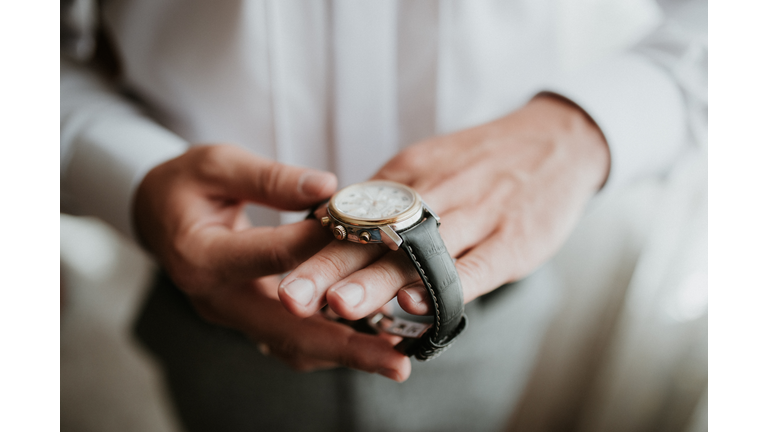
(189, 212)
(508, 192)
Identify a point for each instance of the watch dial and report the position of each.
(374, 200)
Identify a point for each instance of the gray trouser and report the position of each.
(219, 381)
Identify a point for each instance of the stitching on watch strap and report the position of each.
(429, 287)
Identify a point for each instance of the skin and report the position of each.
(189, 213)
(508, 192)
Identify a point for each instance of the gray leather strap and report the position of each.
(424, 246)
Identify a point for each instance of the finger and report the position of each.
(414, 300)
(490, 265)
(366, 290)
(303, 291)
(466, 227)
(306, 364)
(315, 339)
(462, 231)
(328, 341)
(404, 168)
(463, 188)
(258, 251)
(237, 173)
(435, 156)
(392, 339)
(481, 270)
(299, 363)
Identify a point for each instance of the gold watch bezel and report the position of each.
(415, 209)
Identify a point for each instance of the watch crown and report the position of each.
(365, 237)
(339, 232)
(325, 220)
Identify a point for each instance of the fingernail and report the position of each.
(389, 373)
(313, 183)
(351, 294)
(301, 291)
(417, 295)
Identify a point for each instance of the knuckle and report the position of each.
(269, 181)
(211, 161)
(509, 182)
(330, 266)
(392, 276)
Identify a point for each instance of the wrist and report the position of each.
(581, 140)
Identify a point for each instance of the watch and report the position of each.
(394, 214)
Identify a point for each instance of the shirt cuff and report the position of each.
(110, 157)
(639, 109)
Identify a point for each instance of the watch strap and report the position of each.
(424, 246)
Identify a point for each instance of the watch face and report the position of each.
(374, 200)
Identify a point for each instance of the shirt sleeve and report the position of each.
(651, 101)
(107, 146)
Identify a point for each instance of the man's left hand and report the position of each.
(509, 192)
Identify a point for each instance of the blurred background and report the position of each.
(626, 350)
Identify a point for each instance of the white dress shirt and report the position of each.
(343, 85)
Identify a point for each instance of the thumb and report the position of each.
(237, 173)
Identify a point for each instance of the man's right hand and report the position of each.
(189, 213)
